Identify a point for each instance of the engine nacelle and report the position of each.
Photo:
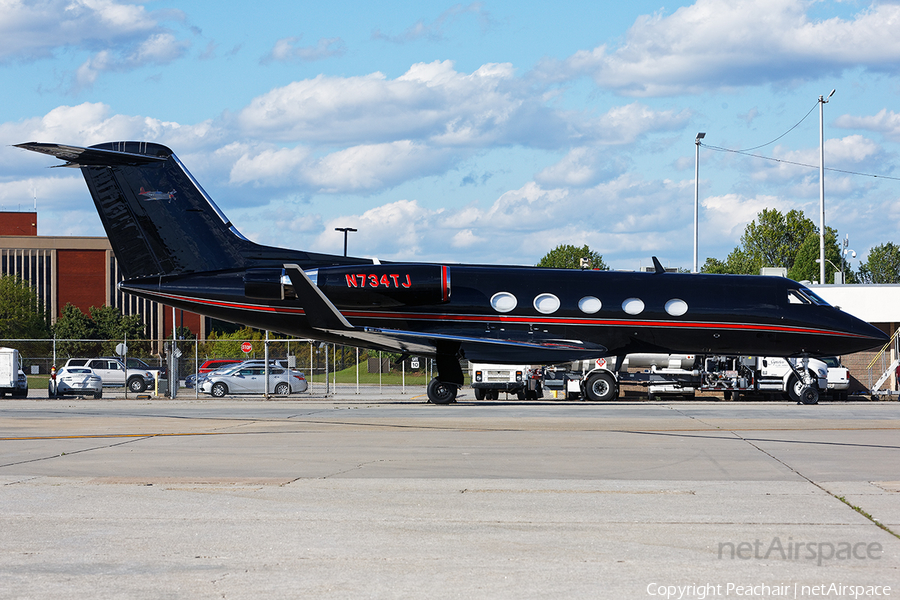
(267, 284)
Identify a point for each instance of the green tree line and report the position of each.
(791, 241)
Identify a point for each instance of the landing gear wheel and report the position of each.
(282, 389)
(810, 395)
(136, 385)
(440, 392)
(219, 390)
(802, 393)
(600, 387)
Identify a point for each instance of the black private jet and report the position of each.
(175, 246)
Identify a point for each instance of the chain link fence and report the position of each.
(328, 368)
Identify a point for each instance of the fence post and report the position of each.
(266, 364)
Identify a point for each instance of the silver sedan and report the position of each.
(252, 380)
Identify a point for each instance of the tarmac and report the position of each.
(382, 495)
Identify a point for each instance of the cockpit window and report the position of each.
(795, 297)
(817, 300)
(805, 296)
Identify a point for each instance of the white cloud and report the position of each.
(885, 122)
(118, 35)
(726, 43)
(358, 169)
(93, 123)
(434, 31)
(36, 29)
(287, 50)
(429, 101)
(157, 49)
(729, 214)
(849, 152)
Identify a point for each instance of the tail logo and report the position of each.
(157, 195)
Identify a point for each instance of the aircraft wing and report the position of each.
(324, 315)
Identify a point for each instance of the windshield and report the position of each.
(805, 296)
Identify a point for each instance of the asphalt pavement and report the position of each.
(382, 495)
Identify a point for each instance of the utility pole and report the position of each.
(822, 103)
(700, 136)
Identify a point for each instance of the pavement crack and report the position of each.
(83, 450)
(842, 499)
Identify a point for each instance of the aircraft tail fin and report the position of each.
(158, 219)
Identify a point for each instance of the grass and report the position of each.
(348, 376)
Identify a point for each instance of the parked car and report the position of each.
(250, 379)
(21, 385)
(217, 363)
(838, 377)
(213, 364)
(137, 363)
(76, 381)
(192, 381)
(114, 374)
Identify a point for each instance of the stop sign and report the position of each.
(247, 347)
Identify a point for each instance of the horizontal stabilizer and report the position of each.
(93, 157)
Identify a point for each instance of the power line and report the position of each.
(790, 162)
(746, 152)
(782, 135)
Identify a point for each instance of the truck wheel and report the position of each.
(479, 393)
(136, 385)
(601, 387)
(520, 394)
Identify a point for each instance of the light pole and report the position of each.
(822, 102)
(819, 260)
(700, 136)
(844, 252)
(345, 230)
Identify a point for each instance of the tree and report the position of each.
(73, 324)
(882, 265)
(21, 313)
(111, 324)
(114, 328)
(565, 256)
(806, 266)
(771, 240)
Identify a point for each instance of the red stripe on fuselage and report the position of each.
(513, 319)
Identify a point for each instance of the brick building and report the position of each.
(80, 271)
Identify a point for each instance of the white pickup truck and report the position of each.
(114, 374)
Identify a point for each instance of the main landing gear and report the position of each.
(443, 388)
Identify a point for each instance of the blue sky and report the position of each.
(484, 132)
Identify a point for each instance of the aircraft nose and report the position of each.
(863, 336)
